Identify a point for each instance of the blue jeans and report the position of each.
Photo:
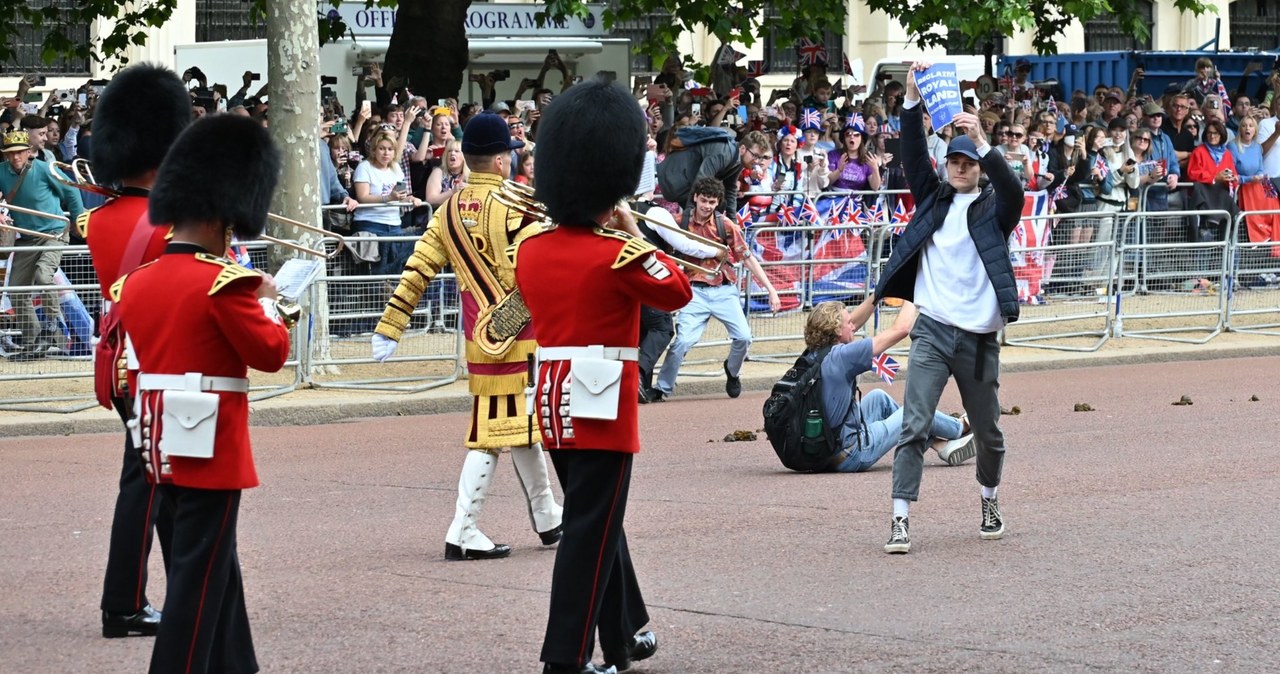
(882, 428)
(722, 302)
(79, 326)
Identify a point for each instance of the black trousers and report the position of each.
(593, 585)
(138, 508)
(205, 626)
(656, 331)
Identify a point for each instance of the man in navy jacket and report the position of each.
(953, 263)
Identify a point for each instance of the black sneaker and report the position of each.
(643, 395)
(732, 385)
(992, 525)
(899, 537)
(655, 395)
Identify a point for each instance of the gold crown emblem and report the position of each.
(16, 140)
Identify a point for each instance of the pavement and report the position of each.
(308, 406)
(1139, 540)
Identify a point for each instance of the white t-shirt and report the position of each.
(952, 286)
(1270, 160)
(381, 183)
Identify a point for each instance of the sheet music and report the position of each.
(296, 276)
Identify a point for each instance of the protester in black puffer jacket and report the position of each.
(953, 263)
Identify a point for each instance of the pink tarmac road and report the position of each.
(1142, 537)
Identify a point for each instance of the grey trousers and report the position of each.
(35, 268)
(940, 352)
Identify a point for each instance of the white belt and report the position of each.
(178, 382)
(594, 351)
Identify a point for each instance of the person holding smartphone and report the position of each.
(380, 180)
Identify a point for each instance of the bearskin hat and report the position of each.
(223, 168)
(138, 116)
(591, 145)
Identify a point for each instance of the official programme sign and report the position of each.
(940, 89)
(482, 20)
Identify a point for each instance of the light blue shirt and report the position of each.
(840, 372)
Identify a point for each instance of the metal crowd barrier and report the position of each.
(1253, 297)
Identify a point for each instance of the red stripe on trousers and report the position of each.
(583, 656)
(204, 589)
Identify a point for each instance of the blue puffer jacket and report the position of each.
(992, 218)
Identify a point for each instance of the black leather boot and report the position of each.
(143, 623)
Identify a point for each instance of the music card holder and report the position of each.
(596, 385)
(189, 420)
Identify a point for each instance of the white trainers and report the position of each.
(956, 452)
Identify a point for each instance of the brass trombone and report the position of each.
(519, 198)
(39, 214)
(81, 173)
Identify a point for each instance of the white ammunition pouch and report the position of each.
(189, 410)
(595, 374)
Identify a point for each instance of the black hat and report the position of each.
(591, 146)
(223, 168)
(487, 135)
(138, 116)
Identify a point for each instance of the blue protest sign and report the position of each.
(940, 89)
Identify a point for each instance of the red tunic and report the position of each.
(585, 287)
(108, 228)
(193, 312)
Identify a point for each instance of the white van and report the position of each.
(968, 68)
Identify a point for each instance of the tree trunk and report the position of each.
(432, 66)
(293, 72)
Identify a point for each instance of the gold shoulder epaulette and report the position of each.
(82, 224)
(230, 273)
(633, 250)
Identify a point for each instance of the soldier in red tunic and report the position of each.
(196, 323)
(128, 148)
(583, 283)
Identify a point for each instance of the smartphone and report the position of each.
(339, 126)
(742, 112)
(82, 99)
(366, 107)
(442, 102)
(736, 92)
(696, 110)
(222, 105)
(522, 106)
(401, 186)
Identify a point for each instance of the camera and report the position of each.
(328, 80)
(808, 159)
(339, 126)
(499, 75)
(254, 77)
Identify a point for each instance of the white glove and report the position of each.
(383, 347)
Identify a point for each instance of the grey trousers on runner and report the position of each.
(35, 267)
(940, 352)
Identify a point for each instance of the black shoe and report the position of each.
(992, 524)
(732, 385)
(899, 537)
(455, 553)
(550, 537)
(34, 352)
(589, 668)
(644, 646)
(143, 623)
(656, 395)
(643, 396)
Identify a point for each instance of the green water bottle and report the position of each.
(813, 424)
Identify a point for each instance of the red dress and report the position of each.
(584, 287)
(192, 312)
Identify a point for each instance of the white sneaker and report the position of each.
(956, 452)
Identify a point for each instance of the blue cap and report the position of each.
(963, 145)
(486, 135)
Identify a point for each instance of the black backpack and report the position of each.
(794, 403)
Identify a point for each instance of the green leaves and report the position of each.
(61, 27)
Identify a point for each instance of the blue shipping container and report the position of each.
(1115, 68)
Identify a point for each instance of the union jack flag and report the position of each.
(856, 122)
(810, 117)
(876, 213)
(853, 214)
(811, 53)
(756, 69)
(901, 217)
(1059, 193)
(848, 67)
(729, 56)
(810, 212)
(787, 215)
(1101, 164)
(885, 367)
(1226, 99)
(746, 217)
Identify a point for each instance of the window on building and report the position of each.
(1103, 33)
(218, 20)
(780, 55)
(27, 42)
(1255, 24)
(960, 45)
(639, 30)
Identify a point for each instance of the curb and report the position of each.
(300, 412)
